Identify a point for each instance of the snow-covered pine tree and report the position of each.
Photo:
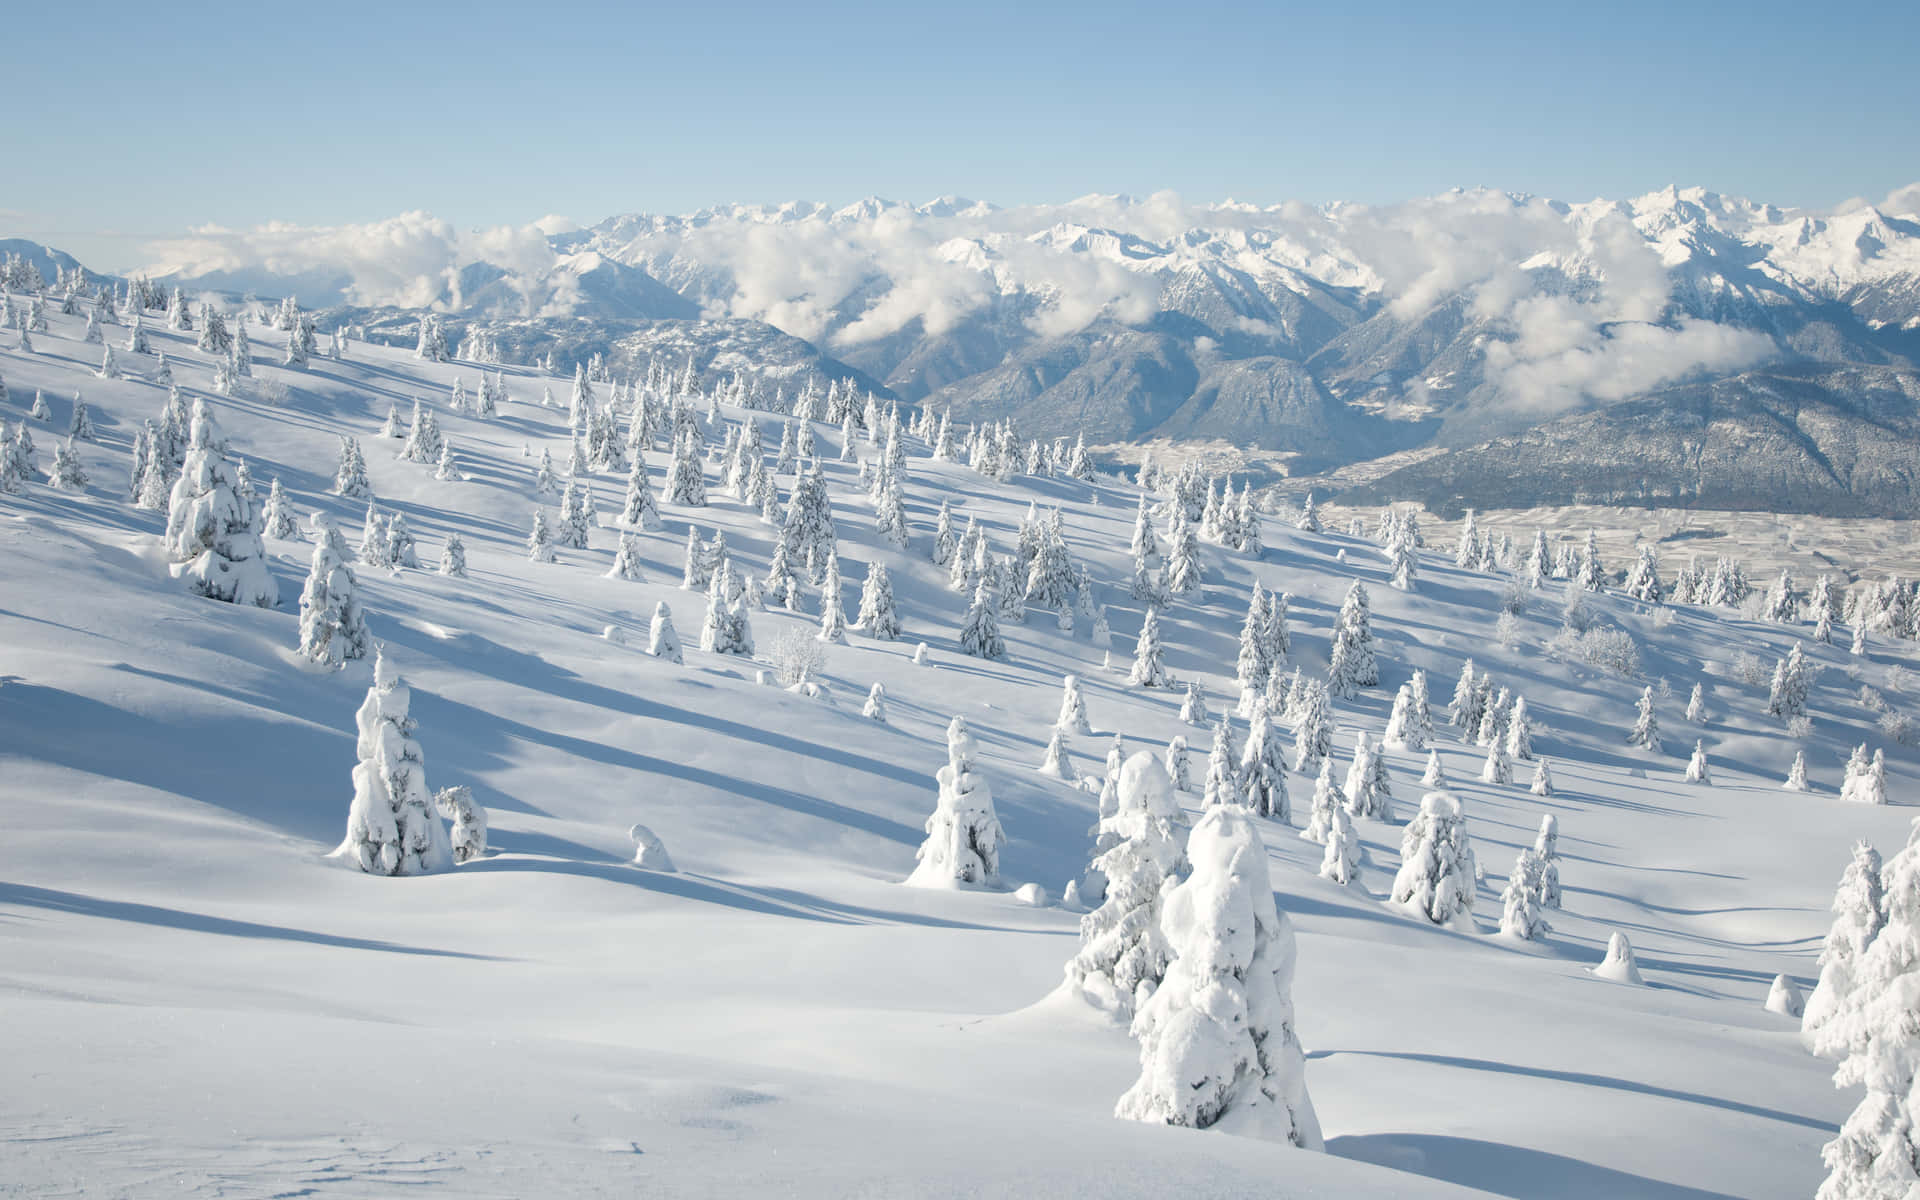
(1263, 768)
(211, 538)
(1176, 764)
(1436, 877)
(401, 551)
(833, 619)
(963, 834)
(1797, 774)
(1073, 708)
(1193, 709)
(80, 428)
(1697, 768)
(1327, 798)
(1519, 732)
(878, 617)
(1057, 763)
(332, 628)
(1859, 912)
(1217, 1042)
(1434, 776)
(453, 557)
(980, 628)
(66, 474)
(1352, 665)
(1646, 726)
(662, 640)
(1792, 681)
(1149, 667)
(626, 560)
(1522, 913)
(1183, 561)
(1866, 780)
(540, 538)
(1222, 784)
(1313, 729)
(392, 828)
(1123, 953)
(686, 481)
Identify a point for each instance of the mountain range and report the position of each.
(1644, 340)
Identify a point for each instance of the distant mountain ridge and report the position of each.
(1324, 335)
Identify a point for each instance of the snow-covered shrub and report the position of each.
(392, 828)
(1217, 1043)
(1610, 649)
(1506, 631)
(1899, 727)
(1800, 727)
(797, 655)
(649, 851)
(1872, 700)
(1748, 668)
(1619, 964)
(469, 835)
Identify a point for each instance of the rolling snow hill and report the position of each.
(199, 1000)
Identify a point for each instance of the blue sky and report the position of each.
(487, 114)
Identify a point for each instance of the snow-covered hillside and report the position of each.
(200, 1000)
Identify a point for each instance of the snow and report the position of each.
(184, 965)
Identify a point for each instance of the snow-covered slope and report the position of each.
(199, 1000)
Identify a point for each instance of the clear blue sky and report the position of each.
(129, 121)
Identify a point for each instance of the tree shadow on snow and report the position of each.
(1585, 1079)
(177, 918)
(1507, 1170)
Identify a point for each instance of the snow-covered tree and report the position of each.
(1218, 1047)
(1797, 774)
(1519, 732)
(686, 481)
(1697, 769)
(1176, 763)
(276, 517)
(1057, 763)
(400, 551)
(877, 617)
(1351, 664)
(1073, 708)
(1223, 778)
(1149, 667)
(1123, 953)
(626, 560)
(1542, 782)
(540, 538)
(1363, 778)
(662, 640)
(1312, 730)
(453, 557)
(1327, 798)
(1523, 912)
(211, 538)
(332, 628)
(1792, 682)
(1434, 776)
(1403, 730)
(1436, 877)
(80, 428)
(1263, 768)
(1866, 780)
(1646, 727)
(66, 474)
(350, 480)
(392, 828)
(469, 833)
(1697, 704)
(833, 619)
(980, 628)
(1193, 709)
(1859, 912)
(963, 834)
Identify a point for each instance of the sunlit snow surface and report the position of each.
(195, 1000)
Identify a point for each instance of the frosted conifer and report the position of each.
(1436, 877)
(963, 834)
(392, 828)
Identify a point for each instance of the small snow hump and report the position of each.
(649, 851)
(1619, 965)
(1031, 894)
(1784, 998)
